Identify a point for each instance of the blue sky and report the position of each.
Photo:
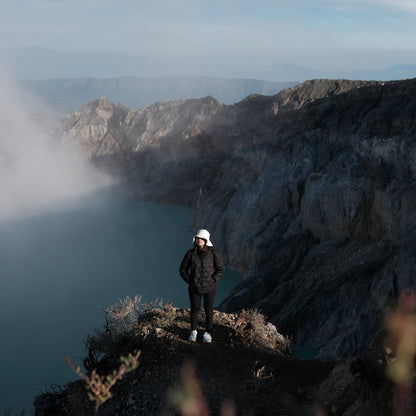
(334, 34)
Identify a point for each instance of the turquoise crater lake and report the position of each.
(60, 269)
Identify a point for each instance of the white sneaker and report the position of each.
(192, 337)
(207, 338)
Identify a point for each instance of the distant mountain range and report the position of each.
(64, 81)
(40, 63)
(64, 96)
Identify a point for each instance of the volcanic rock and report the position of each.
(309, 194)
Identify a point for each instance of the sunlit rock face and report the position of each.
(310, 194)
(103, 128)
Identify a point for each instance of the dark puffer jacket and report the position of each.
(201, 269)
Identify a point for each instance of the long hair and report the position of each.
(196, 247)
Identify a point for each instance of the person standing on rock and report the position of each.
(202, 267)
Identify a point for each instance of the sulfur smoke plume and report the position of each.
(38, 172)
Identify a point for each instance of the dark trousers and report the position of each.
(208, 308)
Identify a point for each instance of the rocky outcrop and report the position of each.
(310, 194)
(326, 239)
(102, 128)
(247, 370)
(246, 352)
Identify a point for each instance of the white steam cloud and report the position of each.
(38, 172)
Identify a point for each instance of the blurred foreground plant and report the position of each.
(400, 325)
(99, 386)
(188, 399)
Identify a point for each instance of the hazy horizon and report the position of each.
(273, 40)
(44, 64)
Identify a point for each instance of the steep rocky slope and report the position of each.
(310, 194)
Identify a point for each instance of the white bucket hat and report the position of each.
(205, 235)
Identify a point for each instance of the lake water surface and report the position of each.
(58, 271)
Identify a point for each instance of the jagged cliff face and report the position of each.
(310, 194)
